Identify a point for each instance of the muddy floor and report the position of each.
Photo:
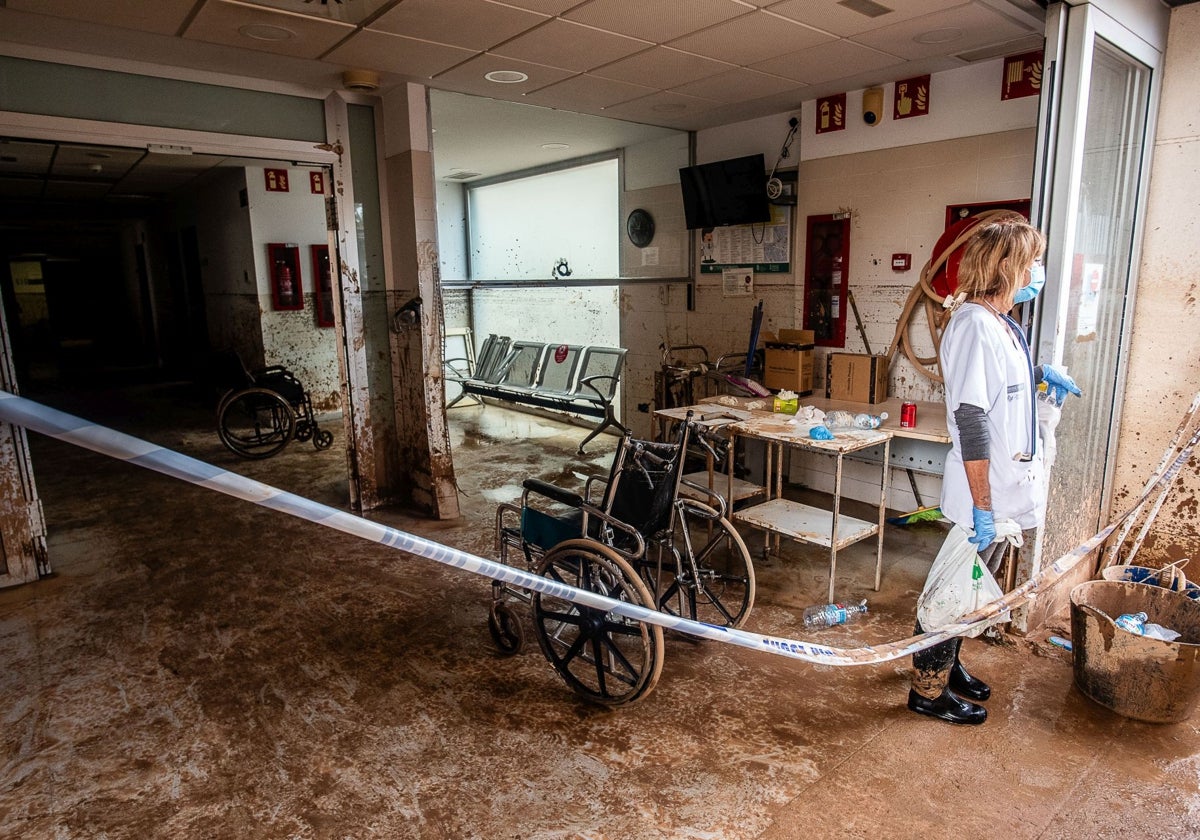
(198, 667)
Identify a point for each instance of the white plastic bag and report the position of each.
(959, 583)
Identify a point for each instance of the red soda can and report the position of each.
(908, 415)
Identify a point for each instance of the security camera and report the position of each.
(873, 105)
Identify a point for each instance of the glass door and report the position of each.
(1096, 128)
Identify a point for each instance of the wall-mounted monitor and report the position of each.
(725, 192)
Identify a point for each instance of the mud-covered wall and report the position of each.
(1164, 359)
(291, 337)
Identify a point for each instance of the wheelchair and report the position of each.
(641, 542)
(265, 411)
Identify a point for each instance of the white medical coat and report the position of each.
(984, 364)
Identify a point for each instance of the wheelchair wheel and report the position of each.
(505, 626)
(322, 439)
(701, 570)
(255, 423)
(605, 658)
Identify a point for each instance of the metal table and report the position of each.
(801, 522)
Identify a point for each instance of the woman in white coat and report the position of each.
(994, 469)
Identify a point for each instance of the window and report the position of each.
(540, 227)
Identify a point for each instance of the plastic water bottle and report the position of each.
(838, 420)
(829, 615)
(869, 421)
(1133, 622)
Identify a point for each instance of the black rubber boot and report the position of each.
(963, 683)
(968, 686)
(947, 706)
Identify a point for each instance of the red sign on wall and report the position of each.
(316, 182)
(277, 180)
(911, 98)
(1022, 75)
(831, 113)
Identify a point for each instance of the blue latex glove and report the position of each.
(819, 432)
(1059, 383)
(1037, 279)
(985, 528)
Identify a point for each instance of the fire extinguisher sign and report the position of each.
(277, 180)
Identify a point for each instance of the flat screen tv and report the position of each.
(725, 192)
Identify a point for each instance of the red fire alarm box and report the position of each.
(901, 262)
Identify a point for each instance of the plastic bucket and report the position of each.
(1150, 577)
(1136, 676)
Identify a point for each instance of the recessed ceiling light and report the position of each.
(939, 36)
(266, 32)
(555, 147)
(506, 77)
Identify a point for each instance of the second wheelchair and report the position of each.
(265, 411)
(641, 541)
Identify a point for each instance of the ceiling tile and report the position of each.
(397, 54)
(471, 74)
(587, 93)
(661, 108)
(546, 7)
(750, 38)
(954, 31)
(778, 103)
(102, 162)
(572, 46)
(832, 16)
(826, 62)
(663, 66)
(76, 190)
(738, 85)
(224, 22)
(354, 12)
(659, 21)
(20, 187)
(19, 156)
(473, 24)
(162, 16)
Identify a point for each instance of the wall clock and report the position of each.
(640, 228)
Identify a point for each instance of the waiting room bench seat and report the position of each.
(581, 379)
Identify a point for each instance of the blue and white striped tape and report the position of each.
(66, 427)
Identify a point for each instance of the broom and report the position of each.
(925, 514)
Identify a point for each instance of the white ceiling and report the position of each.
(680, 64)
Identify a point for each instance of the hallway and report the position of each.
(198, 667)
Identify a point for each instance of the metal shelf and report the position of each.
(806, 523)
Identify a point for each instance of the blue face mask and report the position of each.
(1037, 279)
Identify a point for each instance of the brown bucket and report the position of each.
(1136, 676)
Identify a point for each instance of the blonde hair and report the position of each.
(997, 256)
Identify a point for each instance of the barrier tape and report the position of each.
(70, 429)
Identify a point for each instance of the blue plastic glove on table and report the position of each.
(985, 528)
(1059, 383)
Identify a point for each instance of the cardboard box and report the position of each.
(789, 361)
(856, 377)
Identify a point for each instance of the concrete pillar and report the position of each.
(414, 306)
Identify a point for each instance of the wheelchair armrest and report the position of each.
(558, 494)
(592, 481)
(715, 500)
